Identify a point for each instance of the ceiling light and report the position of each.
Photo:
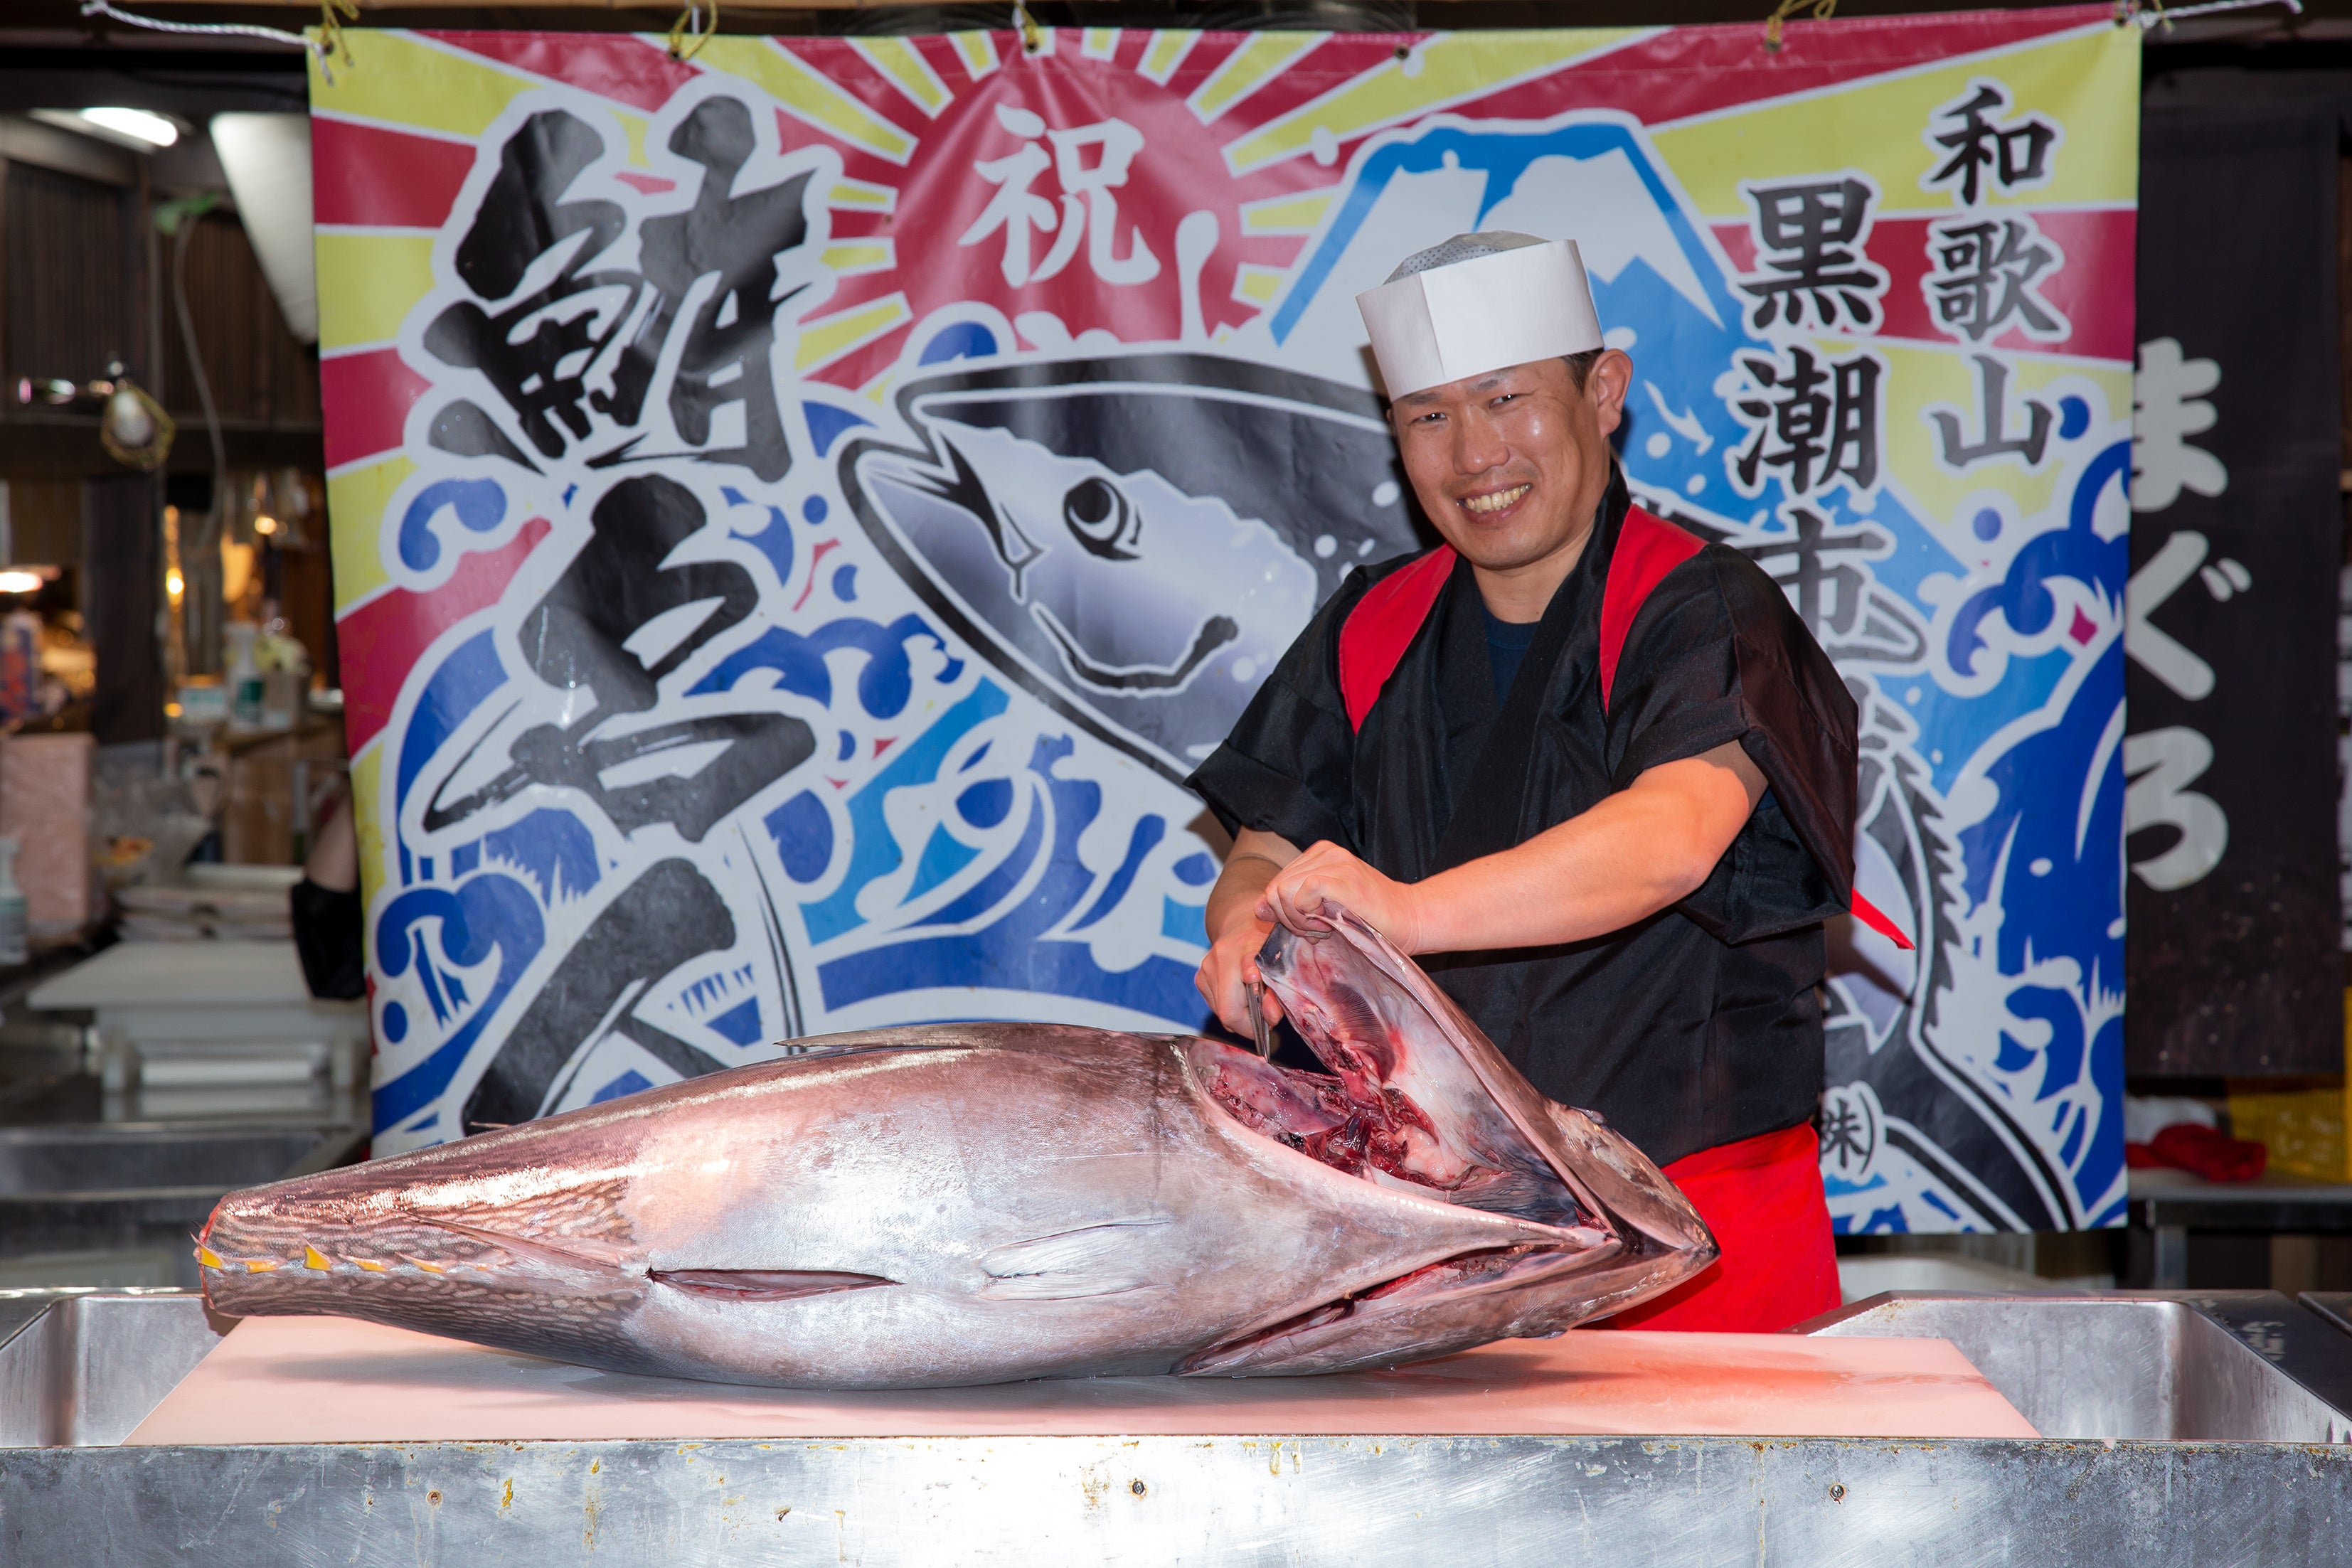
(20, 583)
(152, 129)
(267, 158)
(265, 524)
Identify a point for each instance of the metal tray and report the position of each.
(81, 1368)
(2225, 1366)
(125, 1186)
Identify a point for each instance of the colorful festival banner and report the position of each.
(800, 512)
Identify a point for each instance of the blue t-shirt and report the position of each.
(1507, 645)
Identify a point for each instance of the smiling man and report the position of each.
(1596, 772)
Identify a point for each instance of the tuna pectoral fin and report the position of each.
(1098, 1260)
(763, 1284)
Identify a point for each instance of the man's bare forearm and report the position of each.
(1254, 861)
(1588, 876)
(1640, 851)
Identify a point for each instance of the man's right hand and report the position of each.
(1235, 932)
(1231, 965)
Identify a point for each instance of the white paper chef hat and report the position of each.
(1477, 303)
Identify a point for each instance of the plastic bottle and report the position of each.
(13, 946)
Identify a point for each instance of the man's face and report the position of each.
(1511, 465)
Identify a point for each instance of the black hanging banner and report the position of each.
(2229, 749)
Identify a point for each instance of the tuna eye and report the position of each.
(1102, 520)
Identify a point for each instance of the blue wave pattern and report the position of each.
(947, 849)
(2024, 1000)
(960, 866)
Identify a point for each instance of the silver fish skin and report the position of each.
(968, 1203)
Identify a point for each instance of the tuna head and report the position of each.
(1419, 1102)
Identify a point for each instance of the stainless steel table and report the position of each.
(2170, 1213)
(101, 1186)
(2203, 1429)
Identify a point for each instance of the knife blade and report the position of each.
(1252, 994)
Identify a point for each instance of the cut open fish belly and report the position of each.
(963, 1203)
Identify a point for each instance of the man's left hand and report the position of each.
(1328, 873)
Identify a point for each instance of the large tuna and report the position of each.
(976, 1203)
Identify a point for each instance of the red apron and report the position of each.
(1762, 1197)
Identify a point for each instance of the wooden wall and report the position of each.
(122, 583)
(86, 280)
(75, 277)
(260, 375)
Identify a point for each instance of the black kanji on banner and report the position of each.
(2229, 749)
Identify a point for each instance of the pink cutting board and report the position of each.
(334, 1380)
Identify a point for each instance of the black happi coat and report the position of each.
(1697, 1026)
